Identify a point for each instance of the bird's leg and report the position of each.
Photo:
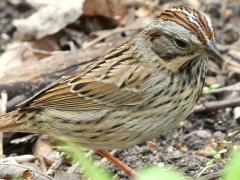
(129, 171)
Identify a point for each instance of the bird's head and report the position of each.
(181, 34)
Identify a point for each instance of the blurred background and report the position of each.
(42, 40)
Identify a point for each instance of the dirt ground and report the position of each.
(201, 144)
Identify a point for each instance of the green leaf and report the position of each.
(86, 164)
(210, 162)
(156, 173)
(215, 86)
(232, 168)
(206, 89)
(217, 156)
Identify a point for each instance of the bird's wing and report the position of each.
(107, 82)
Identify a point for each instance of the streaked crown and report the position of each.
(195, 21)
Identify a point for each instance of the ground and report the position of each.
(201, 144)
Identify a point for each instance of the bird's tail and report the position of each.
(10, 121)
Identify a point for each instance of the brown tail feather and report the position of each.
(9, 121)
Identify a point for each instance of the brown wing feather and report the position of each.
(108, 82)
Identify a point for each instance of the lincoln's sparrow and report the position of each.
(132, 94)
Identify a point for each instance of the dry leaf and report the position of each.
(143, 10)
(113, 9)
(207, 151)
(42, 147)
(51, 17)
(27, 174)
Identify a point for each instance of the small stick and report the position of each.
(129, 171)
(75, 166)
(19, 159)
(104, 159)
(109, 33)
(43, 166)
(233, 87)
(215, 105)
(204, 169)
(55, 165)
(213, 176)
(11, 171)
(4, 98)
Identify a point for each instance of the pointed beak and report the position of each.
(213, 51)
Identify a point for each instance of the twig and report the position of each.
(109, 33)
(23, 139)
(11, 171)
(19, 159)
(75, 166)
(55, 165)
(38, 51)
(4, 98)
(204, 169)
(104, 159)
(213, 176)
(233, 87)
(215, 105)
(42, 165)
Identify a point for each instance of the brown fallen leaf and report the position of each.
(43, 146)
(207, 150)
(143, 10)
(51, 17)
(27, 174)
(182, 147)
(114, 9)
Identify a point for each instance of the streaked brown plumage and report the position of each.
(134, 93)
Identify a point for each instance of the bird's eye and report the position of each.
(180, 43)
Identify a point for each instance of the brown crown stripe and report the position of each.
(203, 23)
(182, 19)
(173, 17)
(200, 20)
(194, 28)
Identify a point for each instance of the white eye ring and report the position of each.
(180, 43)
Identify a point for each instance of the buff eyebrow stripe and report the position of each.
(179, 21)
(208, 28)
